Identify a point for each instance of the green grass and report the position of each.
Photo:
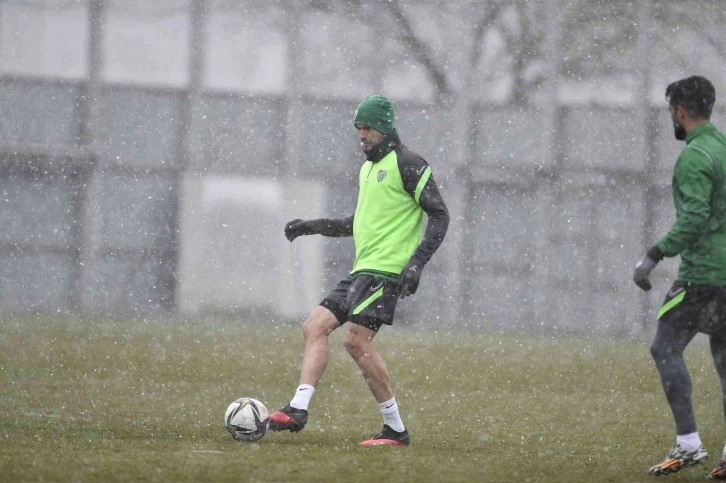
(85, 400)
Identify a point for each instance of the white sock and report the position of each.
(389, 410)
(301, 400)
(723, 455)
(690, 441)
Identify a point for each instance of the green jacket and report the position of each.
(396, 188)
(388, 220)
(699, 194)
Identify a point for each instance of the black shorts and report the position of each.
(365, 300)
(696, 307)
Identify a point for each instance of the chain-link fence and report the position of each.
(549, 211)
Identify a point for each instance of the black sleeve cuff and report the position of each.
(418, 260)
(336, 227)
(655, 254)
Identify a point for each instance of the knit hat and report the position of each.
(376, 112)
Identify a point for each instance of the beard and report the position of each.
(678, 130)
(371, 150)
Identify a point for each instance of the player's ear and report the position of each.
(681, 112)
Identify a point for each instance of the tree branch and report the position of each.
(420, 50)
(483, 24)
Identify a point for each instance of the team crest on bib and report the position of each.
(381, 174)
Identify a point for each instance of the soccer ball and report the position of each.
(247, 419)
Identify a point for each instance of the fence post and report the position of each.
(648, 148)
(190, 146)
(89, 198)
(546, 182)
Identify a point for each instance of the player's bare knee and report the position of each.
(355, 344)
(350, 345)
(314, 329)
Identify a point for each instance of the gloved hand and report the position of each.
(642, 270)
(409, 279)
(296, 228)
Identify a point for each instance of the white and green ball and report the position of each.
(247, 419)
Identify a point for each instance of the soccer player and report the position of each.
(396, 188)
(697, 300)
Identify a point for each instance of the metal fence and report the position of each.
(549, 213)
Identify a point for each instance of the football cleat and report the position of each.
(388, 437)
(677, 459)
(288, 419)
(719, 472)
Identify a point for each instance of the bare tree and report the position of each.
(518, 25)
(599, 38)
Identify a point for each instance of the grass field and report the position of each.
(84, 400)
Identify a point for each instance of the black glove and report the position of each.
(642, 270)
(296, 228)
(409, 279)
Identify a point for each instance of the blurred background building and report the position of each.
(151, 151)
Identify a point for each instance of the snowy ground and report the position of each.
(129, 400)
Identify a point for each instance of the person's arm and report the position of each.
(693, 176)
(420, 184)
(418, 181)
(438, 223)
(335, 227)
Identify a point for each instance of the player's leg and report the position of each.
(675, 331)
(718, 351)
(667, 350)
(372, 301)
(359, 344)
(323, 320)
(316, 329)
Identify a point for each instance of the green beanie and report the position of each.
(376, 112)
